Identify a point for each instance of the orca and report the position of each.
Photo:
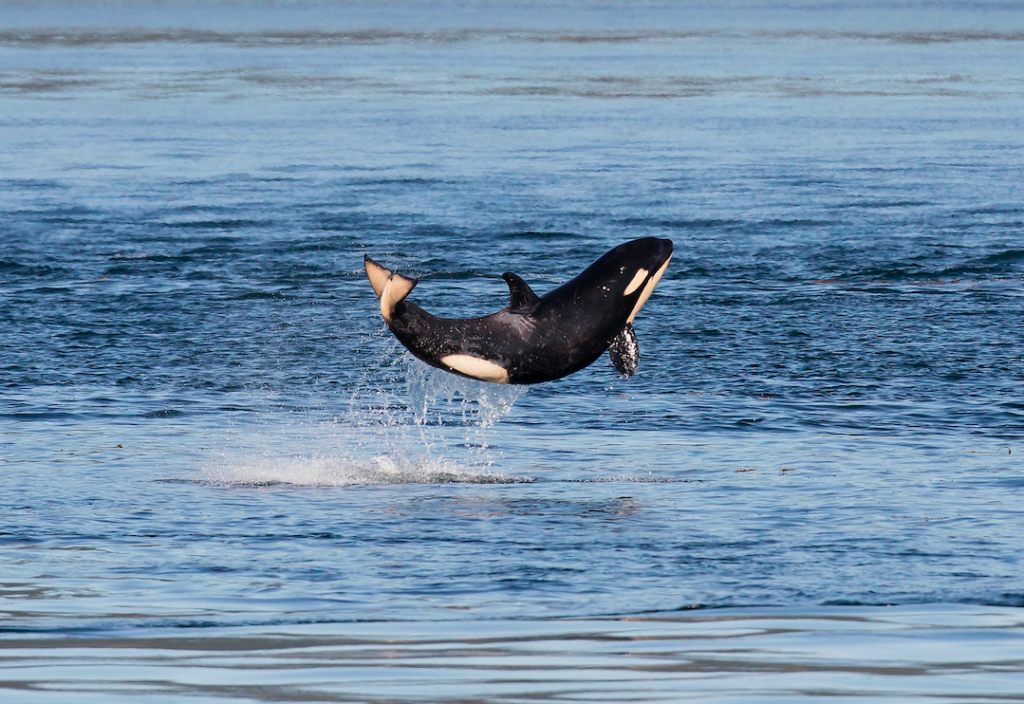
(536, 338)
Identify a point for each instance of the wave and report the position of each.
(161, 84)
(1005, 257)
(999, 264)
(540, 236)
(225, 224)
(79, 37)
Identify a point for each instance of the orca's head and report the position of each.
(628, 274)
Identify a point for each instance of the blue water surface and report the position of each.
(205, 425)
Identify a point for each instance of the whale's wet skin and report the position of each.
(223, 478)
(534, 339)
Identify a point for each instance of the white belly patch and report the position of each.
(477, 368)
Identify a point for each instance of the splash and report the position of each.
(439, 433)
(326, 471)
(482, 404)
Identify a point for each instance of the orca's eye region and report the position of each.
(636, 282)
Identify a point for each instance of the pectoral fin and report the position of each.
(625, 351)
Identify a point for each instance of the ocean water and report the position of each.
(221, 479)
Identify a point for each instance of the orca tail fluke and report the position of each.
(391, 288)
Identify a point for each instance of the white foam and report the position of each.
(331, 471)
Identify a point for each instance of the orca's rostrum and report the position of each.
(536, 338)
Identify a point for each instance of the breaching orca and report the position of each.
(536, 338)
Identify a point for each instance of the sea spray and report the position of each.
(482, 404)
(383, 437)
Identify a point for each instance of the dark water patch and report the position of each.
(104, 167)
(882, 204)
(306, 82)
(225, 224)
(164, 414)
(999, 263)
(434, 272)
(339, 168)
(697, 82)
(43, 82)
(685, 270)
(542, 236)
(31, 184)
(52, 211)
(320, 244)
(396, 181)
(67, 220)
(263, 296)
(78, 37)
(154, 258)
(858, 602)
(122, 270)
(1010, 256)
(939, 37)
(276, 179)
(217, 249)
(687, 224)
(632, 479)
(33, 416)
(796, 223)
(1014, 209)
(353, 222)
(459, 478)
(956, 275)
(19, 269)
(810, 182)
(1010, 599)
(204, 208)
(48, 290)
(435, 231)
(269, 38)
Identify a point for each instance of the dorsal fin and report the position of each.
(522, 295)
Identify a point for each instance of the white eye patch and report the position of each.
(641, 274)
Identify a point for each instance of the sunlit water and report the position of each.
(221, 478)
